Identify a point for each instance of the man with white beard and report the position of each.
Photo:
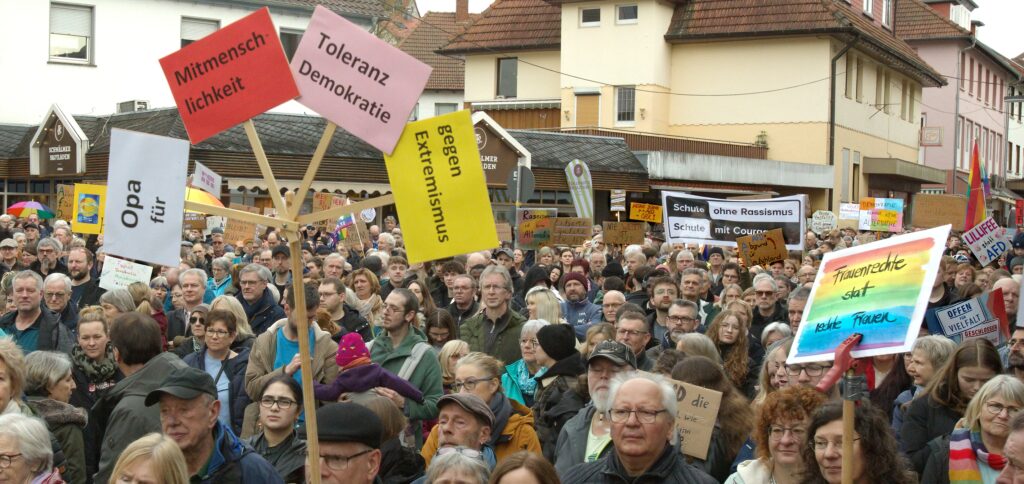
(587, 436)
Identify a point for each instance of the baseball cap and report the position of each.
(185, 383)
(470, 403)
(618, 353)
(8, 243)
(506, 251)
(280, 249)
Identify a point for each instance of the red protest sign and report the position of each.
(229, 76)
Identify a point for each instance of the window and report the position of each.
(850, 74)
(887, 12)
(445, 108)
(868, 4)
(904, 100)
(963, 60)
(507, 77)
(290, 41)
(626, 14)
(978, 94)
(625, 105)
(988, 82)
(590, 17)
(970, 80)
(193, 29)
(860, 80)
(71, 33)
(887, 94)
(879, 87)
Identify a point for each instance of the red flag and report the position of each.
(975, 193)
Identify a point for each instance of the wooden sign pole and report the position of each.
(849, 413)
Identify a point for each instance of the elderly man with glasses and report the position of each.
(57, 297)
(49, 252)
(767, 307)
(631, 330)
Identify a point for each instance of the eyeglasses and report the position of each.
(776, 433)
(244, 282)
(340, 462)
(5, 460)
(812, 370)
(621, 415)
(392, 308)
(681, 319)
(220, 333)
(821, 445)
(533, 343)
(995, 408)
(764, 293)
(469, 384)
(282, 403)
(196, 319)
(325, 295)
(493, 287)
(632, 333)
(55, 295)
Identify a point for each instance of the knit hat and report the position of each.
(574, 276)
(612, 269)
(557, 340)
(716, 250)
(1016, 261)
(350, 348)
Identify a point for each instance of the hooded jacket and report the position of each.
(123, 413)
(226, 286)
(517, 435)
(234, 461)
(426, 376)
(66, 424)
(264, 313)
(290, 462)
(571, 448)
(581, 315)
(559, 397)
(234, 370)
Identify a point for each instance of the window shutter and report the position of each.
(71, 20)
(194, 29)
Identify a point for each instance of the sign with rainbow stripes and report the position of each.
(879, 290)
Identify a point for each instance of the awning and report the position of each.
(1005, 195)
(319, 186)
(1015, 185)
(903, 169)
(516, 105)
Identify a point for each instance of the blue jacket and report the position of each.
(234, 461)
(581, 315)
(234, 371)
(263, 314)
(219, 289)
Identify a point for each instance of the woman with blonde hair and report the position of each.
(245, 337)
(730, 293)
(696, 344)
(366, 289)
(447, 357)
(541, 303)
(152, 459)
(729, 333)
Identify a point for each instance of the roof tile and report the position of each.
(433, 31)
(917, 21)
(512, 25)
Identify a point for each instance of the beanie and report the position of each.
(575, 276)
(557, 340)
(351, 348)
(612, 269)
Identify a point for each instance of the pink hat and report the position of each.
(351, 348)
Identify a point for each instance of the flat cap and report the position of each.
(347, 422)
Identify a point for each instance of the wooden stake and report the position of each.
(849, 413)
(268, 174)
(241, 215)
(335, 212)
(314, 165)
(305, 352)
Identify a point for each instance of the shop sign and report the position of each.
(497, 156)
(59, 146)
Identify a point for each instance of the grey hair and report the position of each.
(334, 255)
(52, 243)
(261, 271)
(158, 281)
(631, 250)
(685, 303)
(458, 462)
(33, 439)
(692, 271)
(223, 263)
(699, 344)
(120, 298)
(56, 276)
(29, 275)
(43, 370)
(767, 278)
(776, 327)
(387, 238)
(668, 393)
(201, 274)
(499, 270)
(937, 348)
(801, 293)
(532, 326)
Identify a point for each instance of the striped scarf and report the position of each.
(965, 450)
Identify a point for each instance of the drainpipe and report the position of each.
(832, 112)
(957, 127)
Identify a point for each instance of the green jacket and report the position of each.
(426, 377)
(66, 424)
(506, 344)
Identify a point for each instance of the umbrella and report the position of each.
(199, 196)
(24, 209)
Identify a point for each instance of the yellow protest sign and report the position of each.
(439, 188)
(65, 202)
(645, 211)
(89, 204)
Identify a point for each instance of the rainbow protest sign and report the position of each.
(879, 290)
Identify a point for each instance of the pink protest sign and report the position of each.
(356, 80)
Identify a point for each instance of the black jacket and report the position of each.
(758, 322)
(234, 370)
(60, 268)
(263, 314)
(559, 397)
(399, 465)
(670, 468)
(53, 336)
(353, 322)
(289, 463)
(925, 420)
(234, 461)
(91, 292)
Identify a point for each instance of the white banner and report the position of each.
(207, 180)
(702, 220)
(120, 273)
(145, 197)
(577, 175)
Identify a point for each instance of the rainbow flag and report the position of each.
(975, 193)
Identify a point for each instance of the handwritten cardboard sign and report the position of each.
(229, 76)
(980, 317)
(357, 80)
(504, 231)
(534, 226)
(695, 417)
(195, 220)
(119, 273)
(762, 249)
(236, 230)
(934, 210)
(570, 231)
(624, 232)
(881, 214)
(879, 290)
(645, 211)
(65, 202)
(987, 241)
(324, 201)
(823, 222)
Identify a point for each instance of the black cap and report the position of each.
(612, 269)
(716, 250)
(185, 383)
(323, 250)
(217, 230)
(347, 422)
(280, 249)
(1018, 241)
(618, 353)
(30, 226)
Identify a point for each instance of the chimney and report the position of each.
(461, 11)
(974, 26)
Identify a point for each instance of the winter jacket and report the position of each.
(460, 316)
(899, 410)
(362, 378)
(85, 396)
(263, 313)
(226, 287)
(719, 457)
(581, 315)
(506, 344)
(511, 386)
(290, 463)
(426, 376)
(399, 465)
(758, 322)
(122, 415)
(751, 472)
(925, 420)
(234, 461)
(234, 371)
(670, 468)
(936, 469)
(261, 367)
(571, 448)
(353, 322)
(560, 395)
(517, 435)
(68, 317)
(53, 336)
(66, 423)
(91, 292)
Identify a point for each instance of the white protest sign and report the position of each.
(823, 221)
(120, 273)
(987, 241)
(207, 180)
(368, 215)
(145, 197)
(849, 211)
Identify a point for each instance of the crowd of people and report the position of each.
(504, 366)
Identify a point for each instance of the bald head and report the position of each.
(1010, 290)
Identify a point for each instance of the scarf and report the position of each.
(502, 410)
(365, 360)
(96, 371)
(527, 385)
(965, 450)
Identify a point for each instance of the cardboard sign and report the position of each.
(357, 80)
(987, 241)
(624, 232)
(571, 231)
(690, 219)
(881, 214)
(617, 201)
(324, 201)
(119, 273)
(823, 222)
(88, 208)
(577, 176)
(937, 210)
(504, 231)
(195, 220)
(145, 198)
(762, 249)
(229, 76)
(207, 180)
(238, 230)
(439, 188)
(980, 317)
(533, 227)
(352, 232)
(695, 418)
(645, 212)
(879, 290)
(65, 202)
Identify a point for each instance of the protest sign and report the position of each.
(195, 220)
(934, 210)
(624, 232)
(88, 209)
(65, 205)
(324, 201)
(879, 290)
(504, 231)
(695, 418)
(645, 211)
(823, 221)
(229, 76)
(571, 231)
(1019, 215)
(701, 220)
(533, 227)
(368, 215)
(617, 202)
(357, 80)
(119, 273)
(987, 241)
(881, 214)
(439, 188)
(577, 176)
(762, 249)
(236, 230)
(981, 317)
(207, 180)
(145, 197)
(849, 211)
